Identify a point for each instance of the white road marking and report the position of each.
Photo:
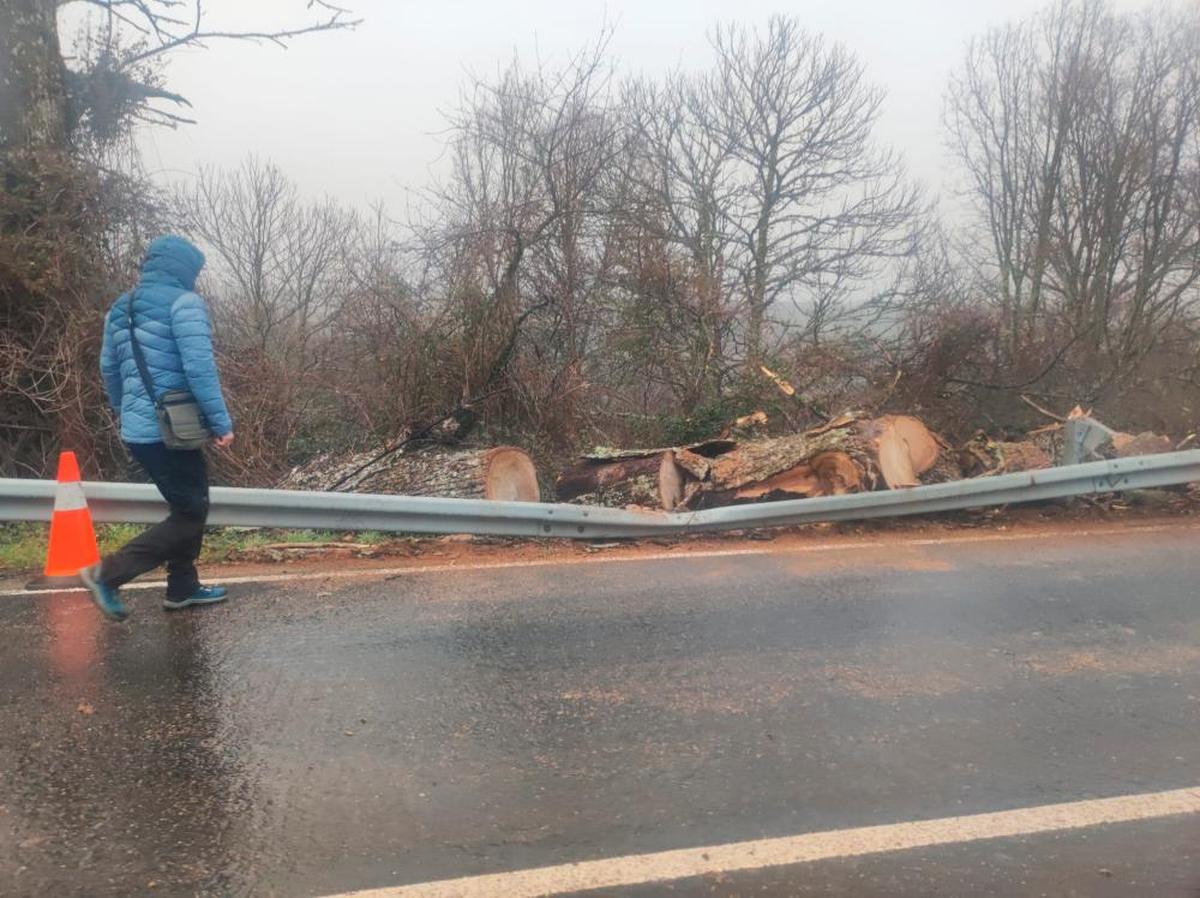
(664, 866)
(467, 565)
(387, 573)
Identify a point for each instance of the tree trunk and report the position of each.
(1127, 445)
(33, 97)
(826, 463)
(647, 478)
(504, 473)
(615, 484)
(982, 457)
(629, 481)
(904, 448)
(756, 317)
(845, 456)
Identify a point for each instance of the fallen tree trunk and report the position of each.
(503, 473)
(981, 457)
(824, 474)
(758, 467)
(617, 484)
(619, 478)
(848, 454)
(844, 456)
(330, 472)
(904, 448)
(590, 476)
(823, 463)
(1128, 445)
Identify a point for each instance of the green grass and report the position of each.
(23, 546)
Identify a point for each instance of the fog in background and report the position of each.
(536, 277)
(358, 114)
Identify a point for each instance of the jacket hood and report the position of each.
(172, 260)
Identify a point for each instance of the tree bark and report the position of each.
(33, 96)
(646, 481)
(982, 457)
(847, 455)
(637, 477)
(825, 463)
(617, 484)
(504, 473)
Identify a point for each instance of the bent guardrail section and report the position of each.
(33, 500)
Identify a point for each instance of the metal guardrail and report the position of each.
(33, 500)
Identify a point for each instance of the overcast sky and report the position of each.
(357, 114)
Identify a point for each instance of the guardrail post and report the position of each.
(1081, 438)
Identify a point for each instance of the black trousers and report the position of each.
(182, 478)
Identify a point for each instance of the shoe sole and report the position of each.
(191, 603)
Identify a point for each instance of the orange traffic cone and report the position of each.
(72, 539)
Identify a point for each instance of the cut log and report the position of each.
(848, 454)
(944, 470)
(323, 473)
(589, 476)
(1128, 445)
(616, 484)
(707, 448)
(825, 474)
(758, 461)
(904, 447)
(503, 473)
(643, 478)
(982, 457)
(825, 462)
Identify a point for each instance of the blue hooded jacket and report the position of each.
(175, 335)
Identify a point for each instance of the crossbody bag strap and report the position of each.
(138, 357)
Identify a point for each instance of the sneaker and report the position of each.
(204, 595)
(104, 597)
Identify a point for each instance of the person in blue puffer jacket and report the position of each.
(172, 327)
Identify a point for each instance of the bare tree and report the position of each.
(278, 261)
(1078, 132)
(115, 78)
(33, 98)
(277, 278)
(1010, 112)
(817, 206)
(522, 233)
(391, 365)
(683, 173)
(69, 222)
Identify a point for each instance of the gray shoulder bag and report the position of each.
(180, 420)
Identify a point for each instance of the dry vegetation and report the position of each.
(613, 262)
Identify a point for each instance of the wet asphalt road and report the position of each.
(313, 738)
